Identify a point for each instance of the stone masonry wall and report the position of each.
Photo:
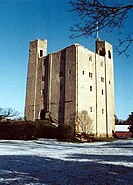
(33, 93)
(74, 85)
(86, 91)
(70, 86)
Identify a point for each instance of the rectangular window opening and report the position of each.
(102, 79)
(41, 53)
(90, 74)
(109, 54)
(90, 58)
(43, 78)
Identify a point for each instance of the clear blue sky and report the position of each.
(22, 21)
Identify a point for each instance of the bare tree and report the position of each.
(85, 122)
(95, 15)
(8, 113)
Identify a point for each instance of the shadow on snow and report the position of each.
(19, 169)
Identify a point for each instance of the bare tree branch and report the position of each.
(96, 15)
(8, 113)
(124, 44)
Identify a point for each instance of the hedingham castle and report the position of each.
(73, 86)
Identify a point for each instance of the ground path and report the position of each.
(49, 162)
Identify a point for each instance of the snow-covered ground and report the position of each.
(49, 162)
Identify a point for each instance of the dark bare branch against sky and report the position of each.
(102, 14)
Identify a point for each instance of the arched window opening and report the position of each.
(102, 52)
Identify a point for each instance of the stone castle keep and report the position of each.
(73, 86)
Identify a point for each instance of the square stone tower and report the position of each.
(73, 86)
(34, 100)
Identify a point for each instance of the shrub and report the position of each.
(27, 130)
(65, 132)
(43, 129)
